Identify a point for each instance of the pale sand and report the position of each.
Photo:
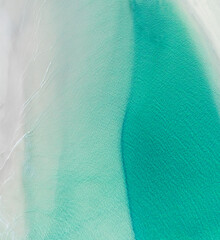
(19, 37)
(22, 67)
(204, 16)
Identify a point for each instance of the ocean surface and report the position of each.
(171, 132)
(123, 137)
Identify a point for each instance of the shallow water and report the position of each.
(121, 132)
(74, 179)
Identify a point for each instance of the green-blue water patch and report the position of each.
(74, 181)
(171, 132)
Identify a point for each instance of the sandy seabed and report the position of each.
(22, 66)
(20, 50)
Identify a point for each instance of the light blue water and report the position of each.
(73, 178)
(127, 140)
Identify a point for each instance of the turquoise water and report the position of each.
(171, 133)
(73, 176)
(127, 139)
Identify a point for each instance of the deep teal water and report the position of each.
(171, 132)
(127, 142)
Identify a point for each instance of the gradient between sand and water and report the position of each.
(122, 135)
(78, 191)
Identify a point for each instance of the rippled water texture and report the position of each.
(121, 131)
(171, 133)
